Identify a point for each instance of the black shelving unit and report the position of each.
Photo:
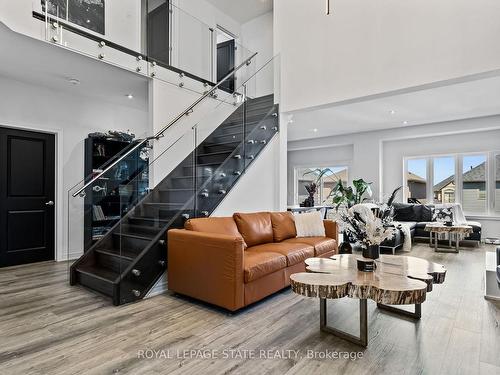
(109, 198)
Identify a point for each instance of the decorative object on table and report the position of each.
(367, 230)
(443, 214)
(345, 247)
(368, 225)
(311, 190)
(312, 187)
(366, 265)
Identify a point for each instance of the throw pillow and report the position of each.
(310, 224)
(443, 214)
(405, 212)
(427, 212)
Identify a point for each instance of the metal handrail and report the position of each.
(162, 131)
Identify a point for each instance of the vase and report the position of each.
(371, 252)
(345, 248)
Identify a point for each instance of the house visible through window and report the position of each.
(444, 180)
(474, 172)
(470, 187)
(330, 177)
(416, 180)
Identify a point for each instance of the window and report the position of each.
(474, 177)
(470, 179)
(416, 180)
(326, 183)
(497, 183)
(444, 180)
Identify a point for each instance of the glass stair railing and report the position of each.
(152, 38)
(189, 177)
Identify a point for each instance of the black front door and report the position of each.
(225, 63)
(27, 173)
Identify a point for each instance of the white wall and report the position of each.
(257, 36)
(378, 156)
(368, 47)
(259, 189)
(72, 117)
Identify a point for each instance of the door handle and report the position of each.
(49, 203)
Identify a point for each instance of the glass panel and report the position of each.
(444, 180)
(474, 193)
(416, 180)
(111, 31)
(191, 44)
(497, 183)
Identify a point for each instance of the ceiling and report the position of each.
(474, 98)
(243, 10)
(55, 66)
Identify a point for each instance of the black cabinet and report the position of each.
(117, 190)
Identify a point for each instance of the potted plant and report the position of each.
(366, 228)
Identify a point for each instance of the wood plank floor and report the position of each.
(48, 327)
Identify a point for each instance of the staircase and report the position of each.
(129, 259)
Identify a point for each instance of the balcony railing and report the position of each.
(143, 36)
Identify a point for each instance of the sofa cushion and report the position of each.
(257, 264)
(256, 228)
(443, 214)
(218, 225)
(322, 245)
(294, 252)
(283, 226)
(407, 212)
(309, 224)
(426, 212)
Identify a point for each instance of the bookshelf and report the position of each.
(109, 198)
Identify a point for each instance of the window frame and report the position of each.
(490, 171)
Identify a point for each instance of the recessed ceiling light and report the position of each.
(315, 130)
(405, 122)
(393, 112)
(130, 96)
(74, 81)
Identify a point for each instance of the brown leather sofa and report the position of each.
(234, 261)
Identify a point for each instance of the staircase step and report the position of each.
(121, 253)
(97, 278)
(147, 221)
(139, 230)
(130, 242)
(213, 157)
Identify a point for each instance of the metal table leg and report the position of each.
(363, 324)
(415, 315)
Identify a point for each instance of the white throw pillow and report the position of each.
(309, 224)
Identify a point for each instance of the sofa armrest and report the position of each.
(331, 229)
(206, 266)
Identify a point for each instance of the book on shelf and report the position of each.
(98, 213)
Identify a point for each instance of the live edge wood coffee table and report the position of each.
(397, 280)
